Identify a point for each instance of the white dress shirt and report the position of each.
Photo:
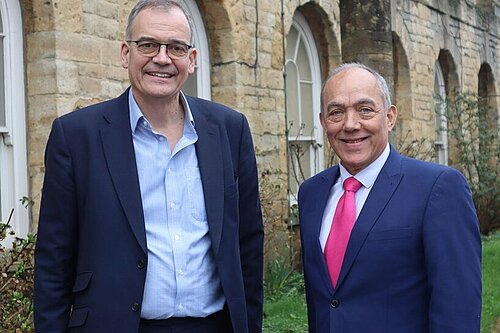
(366, 177)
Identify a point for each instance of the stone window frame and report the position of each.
(202, 87)
(13, 153)
(315, 154)
(441, 120)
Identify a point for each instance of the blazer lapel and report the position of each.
(119, 153)
(323, 187)
(387, 181)
(210, 163)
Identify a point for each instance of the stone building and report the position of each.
(265, 58)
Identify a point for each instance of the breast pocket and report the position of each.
(195, 192)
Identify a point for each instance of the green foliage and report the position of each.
(286, 315)
(16, 280)
(473, 129)
(491, 287)
(285, 305)
(280, 280)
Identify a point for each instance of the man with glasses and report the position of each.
(150, 218)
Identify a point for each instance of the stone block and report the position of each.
(40, 45)
(98, 26)
(78, 47)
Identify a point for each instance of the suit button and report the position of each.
(141, 264)
(335, 303)
(135, 307)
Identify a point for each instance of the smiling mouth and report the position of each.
(161, 75)
(353, 140)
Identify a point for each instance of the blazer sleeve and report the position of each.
(56, 238)
(452, 248)
(251, 230)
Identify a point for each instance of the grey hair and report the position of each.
(382, 84)
(160, 4)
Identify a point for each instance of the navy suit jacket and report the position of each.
(91, 251)
(413, 262)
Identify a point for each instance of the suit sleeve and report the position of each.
(251, 230)
(453, 256)
(56, 238)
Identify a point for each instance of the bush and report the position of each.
(281, 280)
(473, 129)
(16, 280)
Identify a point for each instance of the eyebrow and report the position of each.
(358, 102)
(152, 39)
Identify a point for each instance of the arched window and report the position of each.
(198, 83)
(13, 166)
(303, 85)
(441, 120)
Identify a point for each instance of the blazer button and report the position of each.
(141, 264)
(135, 307)
(335, 303)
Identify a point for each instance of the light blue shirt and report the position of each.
(181, 278)
(366, 177)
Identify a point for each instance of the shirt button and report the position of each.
(180, 307)
(335, 303)
(181, 272)
(172, 205)
(135, 307)
(176, 237)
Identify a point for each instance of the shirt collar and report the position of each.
(368, 175)
(136, 113)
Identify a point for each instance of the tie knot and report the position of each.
(351, 184)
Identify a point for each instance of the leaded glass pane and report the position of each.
(292, 100)
(303, 63)
(291, 43)
(306, 109)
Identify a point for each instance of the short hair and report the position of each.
(382, 84)
(160, 4)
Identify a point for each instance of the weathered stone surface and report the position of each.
(73, 60)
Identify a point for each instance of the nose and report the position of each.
(162, 57)
(351, 120)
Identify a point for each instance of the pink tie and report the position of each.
(343, 221)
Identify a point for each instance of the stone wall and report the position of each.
(73, 59)
(427, 27)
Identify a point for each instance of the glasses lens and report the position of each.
(148, 48)
(177, 50)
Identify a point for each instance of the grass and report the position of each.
(286, 315)
(285, 306)
(491, 286)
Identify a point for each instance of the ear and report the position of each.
(125, 52)
(392, 115)
(192, 60)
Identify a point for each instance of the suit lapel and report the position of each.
(210, 163)
(119, 153)
(322, 188)
(386, 183)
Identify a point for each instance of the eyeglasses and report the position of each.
(151, 49)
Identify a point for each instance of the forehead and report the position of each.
(159, 22)
(353, 84)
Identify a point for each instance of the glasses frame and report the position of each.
(189, 47)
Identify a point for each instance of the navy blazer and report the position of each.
(413, 262)
(91, 251)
